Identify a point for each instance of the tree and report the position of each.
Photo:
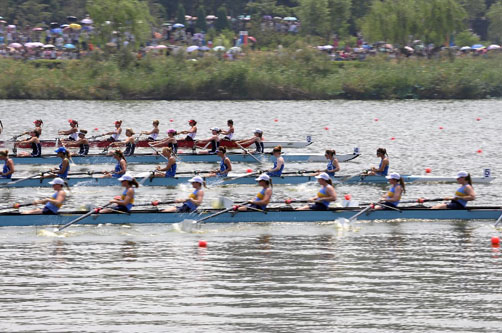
(314, 15)
(180, 14)
(339, 15)
(201, 24)
(126, 17)
(473, 8)
(494, 16)
(222, 21)
(441, 18)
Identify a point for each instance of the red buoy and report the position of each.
(440, 127)
(428, 170)
(249, 170)
(171, 120)
(495, 241)
(202, 243)
(276, 120)
(478, 119)
(479, 151)
(326, 128)
(96, 129)
(393, 138)
(155, 203)
(288, 201)
(347, 197)
(376, 119)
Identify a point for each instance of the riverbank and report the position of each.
(288, 76)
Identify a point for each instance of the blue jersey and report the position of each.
(391, 194)
(459, 194)
(330, 167)
(64, 175)
(5, 170)
(385, 170)
(223, 168)
(52, 207)
(118, 168)
(276, 173)
(189, 203)
(172, 171)
(259, 197)
(321, 194)
(131, 204)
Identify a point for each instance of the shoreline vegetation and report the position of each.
(290, 75)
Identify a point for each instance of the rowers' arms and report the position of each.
(200, 197)
(331, 195)
(127, 200)
(471, 195)
(58, 201)
(280, 163)
(266, 199)
(123, 167)
(385, 163)
(68, 132)
(397, 194)
(170, 163)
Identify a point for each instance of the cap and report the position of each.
(215, 129)
(60, 150)
(264, 177)
(324, 176)
(57, 181)
(258, 131)
(462, 174)
(394, 175)
(196, 179)
(71, 121)
(37, 121)
(171, 131)
(191, 121)
(125, 177)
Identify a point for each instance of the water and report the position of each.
(373, 277)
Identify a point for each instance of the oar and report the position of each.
(216, 214)
(87, 173)
(498, 220)
(241, 176)
(1, 125)
(95, 136)
(361, 212)
(92, 211)
(155, 203)
(247, 152)
(26, 178)
(16, 206)
(419, 200)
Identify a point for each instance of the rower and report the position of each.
(225, 164)
(263, 197)
(257, 140)
(154, 133)
(54, 203)
(213, 141)
(383, 168)
(120, 167)
(463, 194)
(73, 132)
(38, 127)
(193, 201)
(129, 143)
(325, 195)
(115, 134)
(229, 134)
(8, 167)
(333, 165)
(36, 147)
(170, 141)
(81, 142)
(192, 132)
(170, 168)
(62, 170)
(125, 202)
(278, 167)
(393, 196)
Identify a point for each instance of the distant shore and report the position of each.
(300, 75)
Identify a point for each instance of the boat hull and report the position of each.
(188, 158)
(161, 181)
(273, 215)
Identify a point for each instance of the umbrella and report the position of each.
(11, 26)
(493, 47)
(34, 44)
(465, 48)
(160, 47)
(48, 46)
(111, 44)
(37, 29)
(277, 18)
(325, 47)
(192, 48)
(366, 47)
(219, 48)
(58, 31)
(408, 48)
(244, 17)
(87, 21)
(290, 18)
(69, 46)
(75, 26)
(166, 24)
(3, 21)
(388, 46)
(204, 48)
(235, 49)
(178, 25)
(15, 45)
(267, 17)
(211, 17)
(71, 19)
(477, 46)
(188, 17)
(251, 38)
(64, 26)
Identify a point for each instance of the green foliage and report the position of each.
(180, 14)
(314, 15)
(339, 16)
(495, 17)
(222, 21)
(201, 24)
(466, 38)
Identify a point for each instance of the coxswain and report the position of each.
(333, 165)
(396, 190)
(263, 197)
(53, 203)
(225, 164)
(383, 167)
(8, 166)
(73, 132)
(229, 134)
(464, 193)
(62, 170)
(154, 133)
(120, 167)
(115, 134)
(213, 142)
(278, 167)
(192, 132)
(257, 140)
(129, 143)
(169, 170)
(170, 141)
(325, 195)
(125, 202)
(36, 147)
(193, 201)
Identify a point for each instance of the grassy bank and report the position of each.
(298, 75)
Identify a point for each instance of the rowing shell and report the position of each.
(188, 158)
(295, 179)
(272, 215)
(181, 143)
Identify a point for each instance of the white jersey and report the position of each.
(192, 135)
(230, 135)
(153, 136)
(116, 136)
(74, 136)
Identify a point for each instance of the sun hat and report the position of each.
(324, 176)
(462, 174)
(60, 150)
(264, 177)
(215, 129)
(259, 131)
(196, 179)
(394, 175)
(126, 177)
(57, 181)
